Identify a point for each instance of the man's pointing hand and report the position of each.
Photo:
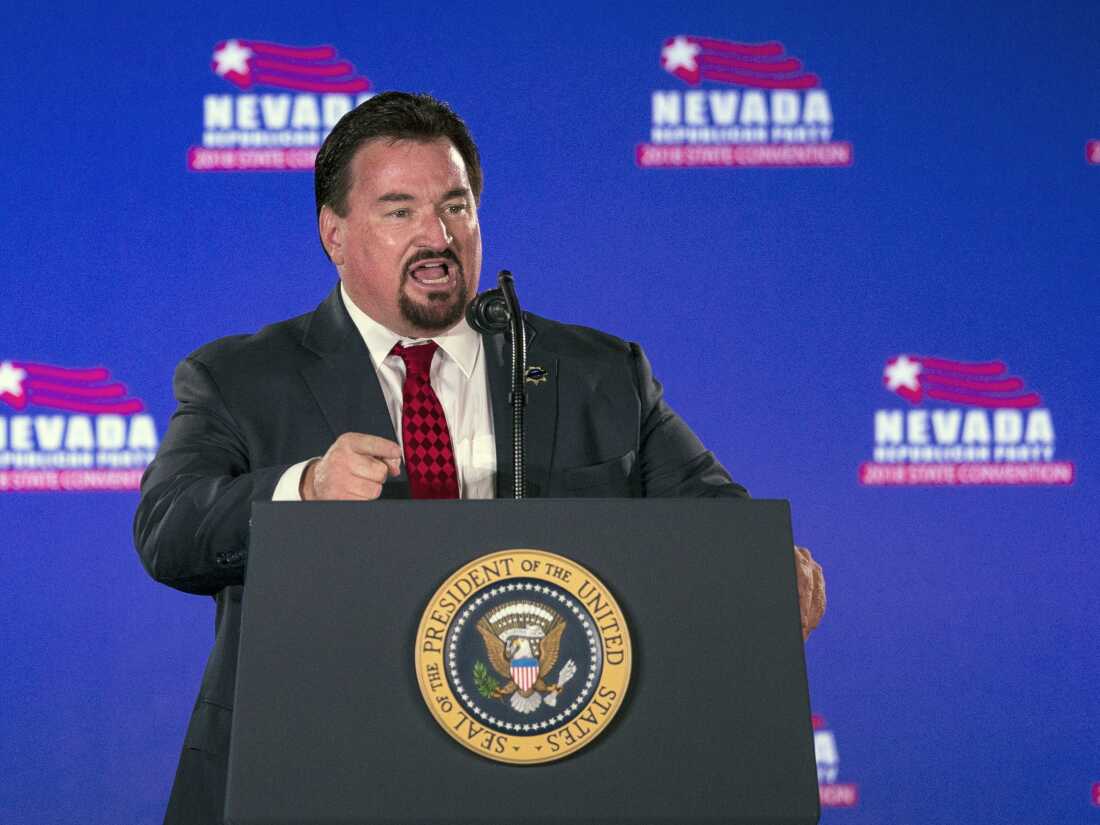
(354, 468)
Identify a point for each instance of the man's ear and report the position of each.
(332, 229)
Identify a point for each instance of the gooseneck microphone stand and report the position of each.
(498, 310)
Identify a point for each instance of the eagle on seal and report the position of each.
(523, 640)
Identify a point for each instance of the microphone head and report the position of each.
(488, 312)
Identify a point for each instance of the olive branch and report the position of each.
(486, 685)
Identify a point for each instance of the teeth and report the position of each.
(424, 270)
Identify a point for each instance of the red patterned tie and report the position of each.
(429, 457)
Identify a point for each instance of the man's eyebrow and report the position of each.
(399, 197)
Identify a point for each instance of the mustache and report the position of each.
(430, 254)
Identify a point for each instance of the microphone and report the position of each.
(488, 312)
(498, 310)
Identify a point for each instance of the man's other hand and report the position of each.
(811, 590)
(354, 468)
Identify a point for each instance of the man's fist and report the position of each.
(354, 468)
(811, 590)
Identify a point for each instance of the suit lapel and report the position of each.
(542, 413)
(344, 383)
(347, 391)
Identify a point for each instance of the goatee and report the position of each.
(441, 312)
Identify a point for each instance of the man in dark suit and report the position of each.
(337, 403)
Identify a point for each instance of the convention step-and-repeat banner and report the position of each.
(859, 245)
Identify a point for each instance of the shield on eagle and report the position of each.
(525, 672)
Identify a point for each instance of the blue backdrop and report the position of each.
(955, 675)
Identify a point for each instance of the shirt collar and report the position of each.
(461, 343)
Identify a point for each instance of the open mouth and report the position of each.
(432, 272)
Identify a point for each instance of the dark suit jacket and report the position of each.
(252, 406)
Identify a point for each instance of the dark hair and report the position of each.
(393, 115)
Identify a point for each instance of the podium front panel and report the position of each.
(330, 725)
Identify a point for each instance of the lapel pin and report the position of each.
(536, 375)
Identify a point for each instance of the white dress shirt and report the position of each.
(459, 379)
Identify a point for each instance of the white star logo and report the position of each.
(679, 54)
(902, 373)
(11, 379)
(232, 57)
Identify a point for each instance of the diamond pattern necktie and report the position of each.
(429, 456)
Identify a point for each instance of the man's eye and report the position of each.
(456, 208)
(399, 213)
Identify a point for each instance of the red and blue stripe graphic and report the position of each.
(248, 63)
(91, 390)
(972, 384)
(756, 65)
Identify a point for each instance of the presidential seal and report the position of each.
(523, 656)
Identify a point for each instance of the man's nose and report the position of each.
(433, 232)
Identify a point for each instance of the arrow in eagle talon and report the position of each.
(566, 673)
